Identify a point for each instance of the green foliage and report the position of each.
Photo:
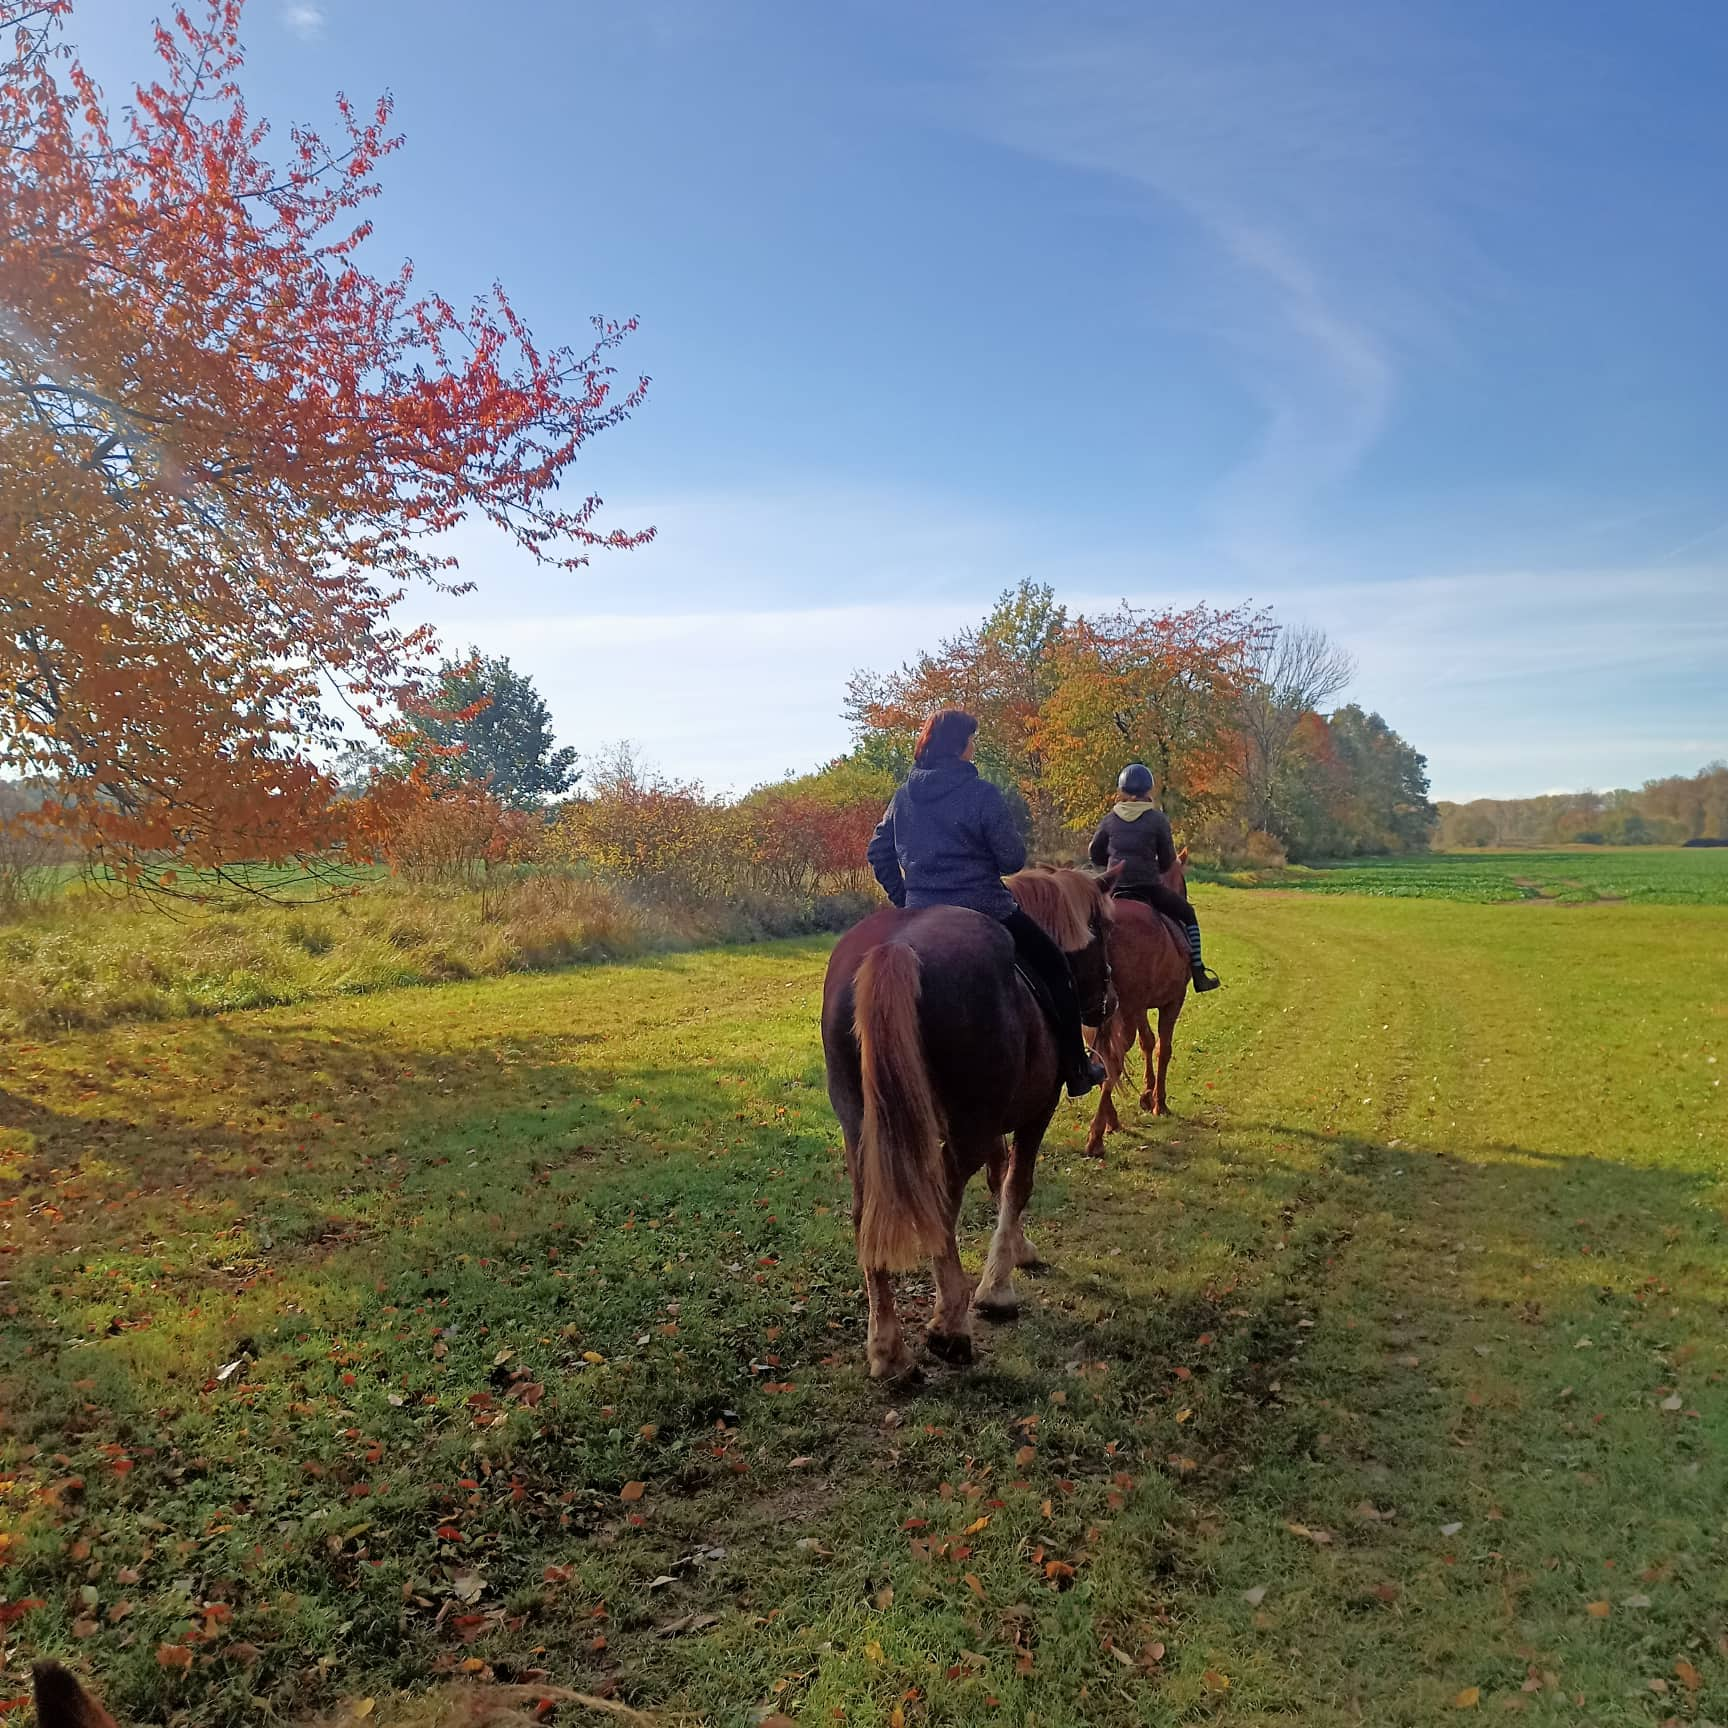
(489, 723)
(1352, 786)
(337, 1333)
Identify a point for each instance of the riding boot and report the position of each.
(1203, 979)
(1087, 1075)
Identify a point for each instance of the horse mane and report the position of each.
(1064, 902)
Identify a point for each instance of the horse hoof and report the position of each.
(954, 1348)
(894, 1366)
(1091, 1151)
(998, 1308)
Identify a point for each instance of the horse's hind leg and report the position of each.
(950, 1335)
(1009, 1248)
(1166, 1042)
(885, 1350)
(1149, 1058)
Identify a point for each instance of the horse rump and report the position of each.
(902, 1182)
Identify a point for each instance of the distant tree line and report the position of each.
(1681, 809)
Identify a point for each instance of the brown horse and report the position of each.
(937, 1050)
(1150, 967)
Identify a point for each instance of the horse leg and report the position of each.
(950, 1334)
(1111, 1046)
(885, 1350)
(1009, 1247)
(1166, 1042)
(1149, 1060)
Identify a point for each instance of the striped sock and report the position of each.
(1194, 943)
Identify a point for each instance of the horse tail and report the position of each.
(902, 1184)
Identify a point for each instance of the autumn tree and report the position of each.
(1002, 670)
(1163, 688)
(227, 449)
(1356, 787)
(1292, 671)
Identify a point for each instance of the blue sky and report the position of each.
(1405, 320)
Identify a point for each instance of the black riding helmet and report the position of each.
(1135, 781)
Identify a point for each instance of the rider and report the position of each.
(1136, 835)
(947, 839)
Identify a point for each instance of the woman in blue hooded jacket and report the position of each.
(947, 839)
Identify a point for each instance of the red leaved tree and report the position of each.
(227, 449)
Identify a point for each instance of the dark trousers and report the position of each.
(1042, 957)
(1160, 899)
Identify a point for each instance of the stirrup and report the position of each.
(1204, 980)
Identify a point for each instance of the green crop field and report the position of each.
(510, 1329)
(1672, 876)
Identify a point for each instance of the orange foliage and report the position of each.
(226, 447)
(1156, 687)
(437, 828)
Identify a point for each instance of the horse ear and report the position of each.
(1182, 856)
(1111, 877)
(62, 1703)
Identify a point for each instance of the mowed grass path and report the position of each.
(512, 1329)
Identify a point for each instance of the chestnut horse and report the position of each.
(1150, 967)
(937, 1050)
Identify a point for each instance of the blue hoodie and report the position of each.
(947, 839)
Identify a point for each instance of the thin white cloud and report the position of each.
(1321, 157)
(307, 22)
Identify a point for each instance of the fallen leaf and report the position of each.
(1155, 1651)
(173, 1656)
(686, 1623)
(361, 1708)
(1675, 1402)
(1635, 1601)
(468, 1586)
(1468, 1699)
(975, 1585)
(873, 1651)
(1025, 1456)
(1215, 1680)
(1597, 1610)
(1255, 1596)
(632, 1491)
(976, 1525)
(1122, 1656)
(1689, 1676)
(1450, 1529)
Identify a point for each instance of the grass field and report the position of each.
(510, 1329)
(1655, 875)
